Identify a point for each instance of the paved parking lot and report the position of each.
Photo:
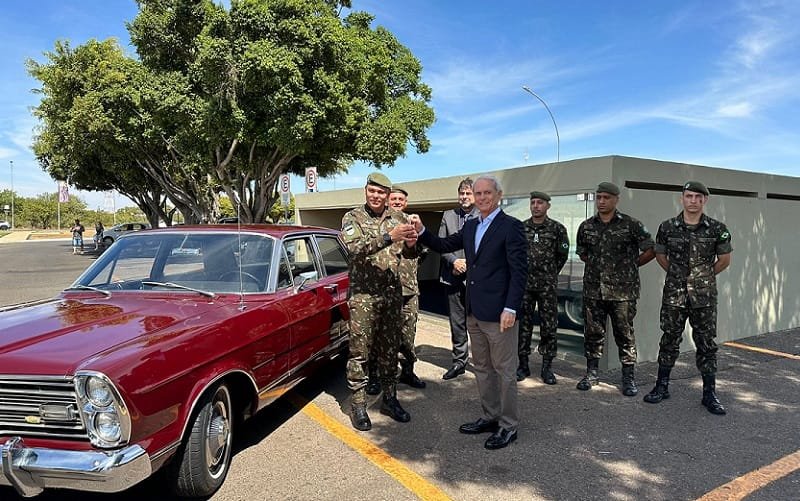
(572, 445)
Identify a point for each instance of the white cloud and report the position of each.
(7, 153)
(741, 109)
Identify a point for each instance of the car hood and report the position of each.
(58, 336)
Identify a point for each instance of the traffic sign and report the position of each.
(311, 179)
(285, 189)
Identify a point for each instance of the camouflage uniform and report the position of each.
(408, 278)
(548, 248)
(376, 296)
(690, 288)
(611, 281)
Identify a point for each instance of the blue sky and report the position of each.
(707, 82)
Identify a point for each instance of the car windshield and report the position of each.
(205, 262)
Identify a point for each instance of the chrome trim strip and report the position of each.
(171, 448)
(209, 385)
(30, 470)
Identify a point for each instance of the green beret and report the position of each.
(606, 187)
(397, 189)
(541, 195)
(695, 186)
(379, 179)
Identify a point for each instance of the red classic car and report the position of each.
(151, 357)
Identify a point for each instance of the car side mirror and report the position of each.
(303, 282)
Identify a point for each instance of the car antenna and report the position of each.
(236, 199)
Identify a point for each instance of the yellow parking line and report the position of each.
(747, 484)
(733, 344)
(409, 479)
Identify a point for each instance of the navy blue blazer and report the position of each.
(496, 274)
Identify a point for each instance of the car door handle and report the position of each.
(332, 288)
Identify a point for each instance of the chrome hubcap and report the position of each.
(217, 436)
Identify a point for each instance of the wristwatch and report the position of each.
(387, 238)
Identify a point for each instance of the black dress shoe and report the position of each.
(392, 408)
(454, 371)
(479, 426)
(500, 439)
(359, 418)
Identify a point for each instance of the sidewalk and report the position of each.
(15, 236)
(18, 236)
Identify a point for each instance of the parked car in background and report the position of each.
(154, 356)
(110, 235)
(5, 225)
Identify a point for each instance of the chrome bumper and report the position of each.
(30, 470)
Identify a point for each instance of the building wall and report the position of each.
(756, 294)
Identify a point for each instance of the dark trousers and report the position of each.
(458, 324)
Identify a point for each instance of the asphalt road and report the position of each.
(572, 445)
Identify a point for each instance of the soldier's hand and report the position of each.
(459, 266)
(416, 221)
(411, 241)
(402, 231)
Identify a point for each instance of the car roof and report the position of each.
(274, 230)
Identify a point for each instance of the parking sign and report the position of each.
(285, 189)
(311, 179)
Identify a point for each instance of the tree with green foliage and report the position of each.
(225, 100)
(42, 211)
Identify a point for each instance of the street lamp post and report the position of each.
(12, 193)
(558, 139)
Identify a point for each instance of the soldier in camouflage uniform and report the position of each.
(692, 248)
(376, 236)
(398, 200)
(548, 248)
(610, 243)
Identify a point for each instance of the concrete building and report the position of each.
(756, 294)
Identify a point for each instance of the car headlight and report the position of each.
(98, 393)
(104, 413)
(107, 426)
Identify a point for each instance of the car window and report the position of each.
(302, 263)
(213, 262)
(131, 264)
(284, 271)
(334, 258)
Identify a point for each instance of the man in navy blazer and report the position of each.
(497, 264)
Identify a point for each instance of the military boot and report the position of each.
(710, 396)
(661, 390)
(392, 408)
(408, 377)
(547, 372)
(590, 379)
(523, 370)
(359, 417)
(629, 388)
(373, 383)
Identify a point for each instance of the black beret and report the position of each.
(608, 188)
(695, 186)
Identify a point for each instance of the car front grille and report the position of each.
(22, 400)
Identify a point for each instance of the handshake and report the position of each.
(407, 232)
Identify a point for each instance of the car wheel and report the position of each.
(107, 241)
(203, 460)
(573, 309)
